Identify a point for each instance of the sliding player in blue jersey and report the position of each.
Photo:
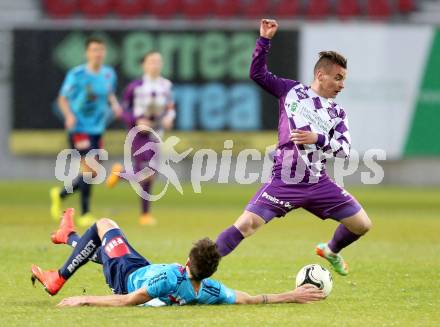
(86, 100)
(136, 281)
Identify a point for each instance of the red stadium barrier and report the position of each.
(163, 8)
(378, 9)
(406, 6)
(318, 9)
(129, 8)
(287, 8)
(255, 8)
(95, 8)
(226, 8)
(60, 8)
(197, 8)
(314, 9)
(347, 9)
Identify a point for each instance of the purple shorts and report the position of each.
(149, 157)
(324, 199)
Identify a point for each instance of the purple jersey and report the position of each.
(147, 98)
(301, 108)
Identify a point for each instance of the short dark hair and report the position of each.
(93, 39)
(149, 53)
(328, 58)
(203, 259)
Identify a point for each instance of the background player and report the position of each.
(312, 127)
(84, 100)
(136, 281)
(148, 104)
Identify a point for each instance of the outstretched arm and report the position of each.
(303, 294)
(115, 106)
(258, 72)
(139, 296)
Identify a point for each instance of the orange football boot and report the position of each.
(66, 228)
(113, 179)
(50, 279)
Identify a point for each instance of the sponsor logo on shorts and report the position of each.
(116, 247)
(275, 200)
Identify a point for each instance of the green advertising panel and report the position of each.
(423, 139)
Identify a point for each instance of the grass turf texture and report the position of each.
(49, 142)
(394, 279)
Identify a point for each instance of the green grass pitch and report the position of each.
(394, 279)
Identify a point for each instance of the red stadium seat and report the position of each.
(129, 8)
(405, 6)
(226, 8)
(347, 8)
(164, 8)
(378, 9)
(95, 8)
(197, 8)
(287, 8)
(318, 9)
(60, 8)
(256, 8)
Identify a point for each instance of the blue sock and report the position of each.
(85, 248)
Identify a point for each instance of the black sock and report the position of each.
(75, 185)
(85, 248)
(85, 196)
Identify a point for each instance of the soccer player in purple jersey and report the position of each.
(148, 104)
(136, 281)
(312, 127)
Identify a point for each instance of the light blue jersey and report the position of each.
(170, 284)
(88, 93)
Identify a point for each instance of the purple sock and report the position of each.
(228, 240)
(146, 186)
(342, 238)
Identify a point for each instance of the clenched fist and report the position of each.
(268, 28)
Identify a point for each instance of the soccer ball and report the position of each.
(316, 275)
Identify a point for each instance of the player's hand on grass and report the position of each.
(307, 293)
(268, 28)
(303, 137)
(69, 121)
(74, 301)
